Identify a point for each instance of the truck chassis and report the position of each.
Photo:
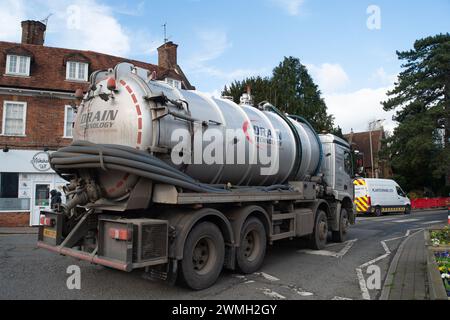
(192, 236)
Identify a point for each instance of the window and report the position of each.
(77, 71)
(9, 193)
(68, 122)
(18, 65)
(42, 195)
(173, 83)
(348, 163)
(400, 192)
(14, 118)
(9, 185)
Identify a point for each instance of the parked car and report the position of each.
(380, 196)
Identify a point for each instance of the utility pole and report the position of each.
(371, 126)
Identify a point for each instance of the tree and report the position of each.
(419, 150)
(261, 89)
(298, 94)
(292, 90)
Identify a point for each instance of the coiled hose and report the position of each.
(87, 155)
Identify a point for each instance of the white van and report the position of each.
(379, 196)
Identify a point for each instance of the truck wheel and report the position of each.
(341, 234)
(252, 249)
(203, 256)
(378, 212)
(319, 237)
(408, 210)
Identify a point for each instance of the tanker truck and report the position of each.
(182, 185)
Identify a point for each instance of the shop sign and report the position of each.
(41, 161)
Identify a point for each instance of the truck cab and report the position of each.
(337, 166)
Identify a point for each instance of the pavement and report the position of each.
(20, 230)
(407, 277)
(290, 271)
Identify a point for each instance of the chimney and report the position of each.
(33, 32)
(167, 55)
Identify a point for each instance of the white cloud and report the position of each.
(97, 30)
(356, 109)
(291, 7)
(382, 77)
(212, 44)
(13, 12)
(329, 77)
(215, 93)
(76, 24)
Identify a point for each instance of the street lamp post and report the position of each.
(371, 125)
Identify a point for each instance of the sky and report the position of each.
(349, 46)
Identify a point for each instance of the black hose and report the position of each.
(85, 155)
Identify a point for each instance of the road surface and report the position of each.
(290, 271)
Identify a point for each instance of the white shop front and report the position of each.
(26, 180)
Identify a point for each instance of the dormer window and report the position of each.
(173, 83)
(77, 71)
(18, 65)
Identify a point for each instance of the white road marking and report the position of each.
(405, 220)
(327, 253)
(385, 247)
(433, 222)
(273, 294)
(303, 293)
(340, 298)
(250, 281)
(392, 239)
(268, 276)
(362, 284)
(371, 262)
(410, 230)
(347, 247)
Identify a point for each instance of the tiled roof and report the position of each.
(48, 66)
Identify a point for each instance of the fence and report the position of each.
(429, 203)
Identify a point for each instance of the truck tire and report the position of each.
(319, 237)
(252, 248)
(203, 256)
(378, 212)
(408, 210)
(341, 234)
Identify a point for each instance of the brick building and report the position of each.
(373, 166)
(37, 85)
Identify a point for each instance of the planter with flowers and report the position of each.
(438, 262)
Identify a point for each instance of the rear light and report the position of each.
(111, 84)
(47, 222)
(369, 201)
(119, 234)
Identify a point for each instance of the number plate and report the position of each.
(50, 233)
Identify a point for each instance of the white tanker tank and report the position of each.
(126, 107)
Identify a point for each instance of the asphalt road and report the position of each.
(290, 270)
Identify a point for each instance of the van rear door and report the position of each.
(362, 200)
